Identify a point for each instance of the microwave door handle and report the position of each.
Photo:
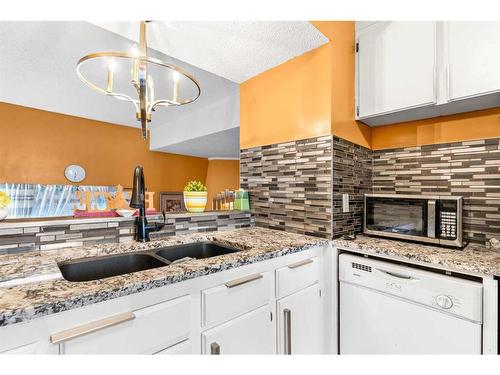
(431, 218)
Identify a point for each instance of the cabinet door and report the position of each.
(474, 58)
(300, 322)
(252, 333)
(396, 67)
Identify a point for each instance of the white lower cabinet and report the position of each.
(296, 276)
(235, 297)
(253, 309)
(300, 322)
(251, 333)
(143, 331)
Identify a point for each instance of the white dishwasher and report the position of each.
(391, 309)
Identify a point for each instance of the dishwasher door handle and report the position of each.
(397, 276)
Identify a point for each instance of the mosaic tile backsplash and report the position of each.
(297, 186)
(470, 169)
(290, 185)
(49, 235)
(352, 174)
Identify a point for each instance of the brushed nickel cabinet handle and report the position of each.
(300, 264)
(214, 349)
(87, 328)
(243, 280)
(287, 320)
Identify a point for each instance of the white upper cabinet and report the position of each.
(409, 71)
(396, 64)
(473, 58)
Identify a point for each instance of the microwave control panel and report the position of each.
(448, 224)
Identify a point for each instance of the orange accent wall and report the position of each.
(308, 96)
(298, 98)
(289, 102)
(343, 125)
(36, 146)
(463, 127)
(221, 175)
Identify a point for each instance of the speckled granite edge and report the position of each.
(473, 259)
(25, 302)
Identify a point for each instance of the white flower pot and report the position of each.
(4, 212)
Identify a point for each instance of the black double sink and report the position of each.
(88, 269)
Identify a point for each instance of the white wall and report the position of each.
(206, 116)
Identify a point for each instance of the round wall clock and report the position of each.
(74, 173)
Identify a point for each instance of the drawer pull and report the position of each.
(87, 328)
(243, 280)
(300, 264)
(214, 349)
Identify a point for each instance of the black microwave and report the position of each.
(422, 218)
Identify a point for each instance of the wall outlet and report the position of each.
(345, 203)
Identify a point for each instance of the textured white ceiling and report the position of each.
(37, 69)
(236, 50)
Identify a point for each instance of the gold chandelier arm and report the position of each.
(125, 98)
(162, 103)
(143, 74)
(167, 103)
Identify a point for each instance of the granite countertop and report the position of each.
(31, 284)
(473, 259)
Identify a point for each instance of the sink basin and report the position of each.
(198, 250)
(114, 265)
(108, 266)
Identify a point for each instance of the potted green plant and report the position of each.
(4, 205)
(195, 196)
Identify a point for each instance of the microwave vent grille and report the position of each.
(361, 267)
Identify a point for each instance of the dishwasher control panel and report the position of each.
(449, 294)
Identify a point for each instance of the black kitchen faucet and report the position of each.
(142, 228)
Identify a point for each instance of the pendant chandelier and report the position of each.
(143, 79)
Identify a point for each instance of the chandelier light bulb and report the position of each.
(111, 65)
(176, 76)
(134, 51)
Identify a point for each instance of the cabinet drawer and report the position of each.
(296, 276)
(235, 297)
(145, 330)
(251, 333)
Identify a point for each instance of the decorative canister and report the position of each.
(195, 201)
